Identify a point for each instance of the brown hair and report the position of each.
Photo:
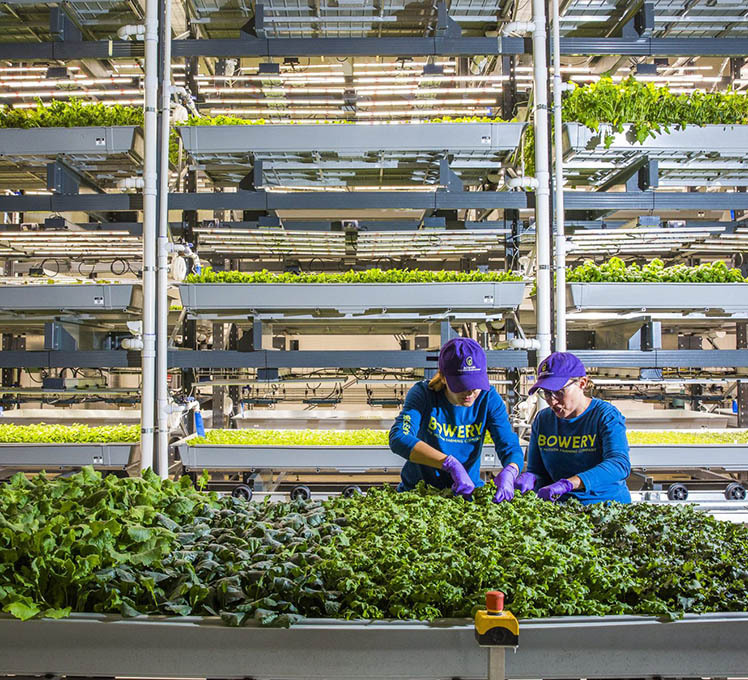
(437, 383)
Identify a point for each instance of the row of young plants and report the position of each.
(208, 275)
(616, 270)
(79, 434)
(77, 112)
(647, 108)
(255, 437)
(146, 546)
(75, 433)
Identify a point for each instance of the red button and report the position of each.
(495, 601)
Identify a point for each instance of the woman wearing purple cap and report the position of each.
(578, 445)
(441, 428)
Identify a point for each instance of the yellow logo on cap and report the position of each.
(544, 367)
(469, 361)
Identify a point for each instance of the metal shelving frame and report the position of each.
(98, 156)
(62, 457)
(98, 645)
(693, 156)
(710, 298)
(359, 298)
(351, 155)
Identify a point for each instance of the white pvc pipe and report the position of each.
(162, 332)
(136, 30)
(149, 235)
(543, 192)
(560, 251)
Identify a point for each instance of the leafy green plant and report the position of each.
(71, 113)
(683, 437)
(649, 110)
(208, 275)
(147, 546)
(253, 437)
(75, 433)
(236, 120)
(616, 270)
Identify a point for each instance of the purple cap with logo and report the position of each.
(463, 363)
(556, 370)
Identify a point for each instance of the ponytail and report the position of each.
(437, 383)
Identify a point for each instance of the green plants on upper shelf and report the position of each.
(149, 546)
(208, 275)
(71, 113)
(75, 433)
(235, 120)
(648, 109)
(616, 270)
(255, 437)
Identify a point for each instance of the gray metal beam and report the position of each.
(65, 50)
(726, 358)
(97, 645)
(346, 47)
(370, 200)
(649, 47)
(80, 359)
(322, 359)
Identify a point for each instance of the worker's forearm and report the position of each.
(577, 483)
(423, 454)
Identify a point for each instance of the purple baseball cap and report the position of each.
(556, 369)
(463, 364)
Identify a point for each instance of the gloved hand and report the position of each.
(505, 484)
(554, 491)
(463, 485)
(525, 482)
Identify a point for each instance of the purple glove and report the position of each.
(554, 491)
(463, 485)
(525, 482)
(505, 484)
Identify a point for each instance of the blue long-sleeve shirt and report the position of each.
(592, 446)
(456, 431)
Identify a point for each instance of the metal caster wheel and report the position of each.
(301, 493)
(242, 491)
(735, 492)
(677, 492)
(351, 491)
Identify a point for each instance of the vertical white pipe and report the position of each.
(560, 251)
(162, 332)
(149, 235)
(543, 191)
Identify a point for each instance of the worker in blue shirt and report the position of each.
(578, 445)
(441, 429)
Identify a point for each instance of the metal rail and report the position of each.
(93, 645)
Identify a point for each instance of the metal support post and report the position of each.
(219, 391)
(742, 343)
(496, 663)
(508, 87)
(447, 332)
(448, 178)
(234, 390)
(62, 27)
(253, 180)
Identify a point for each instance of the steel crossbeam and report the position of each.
(94, 645)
